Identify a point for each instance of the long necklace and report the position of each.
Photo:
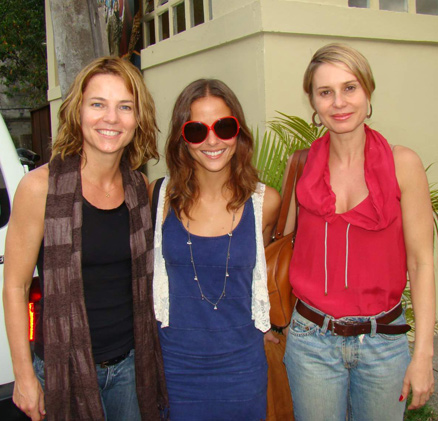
(189, 242)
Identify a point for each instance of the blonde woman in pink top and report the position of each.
(365, 222)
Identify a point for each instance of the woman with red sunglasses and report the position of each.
(210, 292)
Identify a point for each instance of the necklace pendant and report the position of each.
(215, 307)
(107, 195)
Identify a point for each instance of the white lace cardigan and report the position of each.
(260, 298)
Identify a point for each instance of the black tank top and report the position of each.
(106, 273)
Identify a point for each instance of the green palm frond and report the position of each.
(433, 189)
(434, 199)
(295, 131)
(285, 135)
(270, 159)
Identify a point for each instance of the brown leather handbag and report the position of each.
(279, 253)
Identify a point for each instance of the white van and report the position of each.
(11, 172)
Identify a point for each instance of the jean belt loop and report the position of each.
(324, 326)
(373, 326)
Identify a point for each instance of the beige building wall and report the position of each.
(262, 47)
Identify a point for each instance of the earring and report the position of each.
(314, 121)
(371, 112)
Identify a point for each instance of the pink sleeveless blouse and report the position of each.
(354, 263)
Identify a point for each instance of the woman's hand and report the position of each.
(29, 397)
(419, 378)
(270, 337)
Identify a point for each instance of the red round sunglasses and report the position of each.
(224, 128)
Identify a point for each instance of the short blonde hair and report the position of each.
(340, 53)
(69, 140)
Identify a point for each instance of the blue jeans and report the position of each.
(334, 377)
(116, 385)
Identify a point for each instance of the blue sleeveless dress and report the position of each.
(214, 360)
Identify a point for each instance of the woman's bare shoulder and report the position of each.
(405, 156)
(35, 183)
(408, 167)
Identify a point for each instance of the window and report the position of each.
(427, 7)
(150, 6)
(424, 7)
(164, 25)
(197, 12)
(150, 32)
(359, 3)
(394, 5)
(179, 18)
(165, 18)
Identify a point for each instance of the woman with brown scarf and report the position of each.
(84, 220)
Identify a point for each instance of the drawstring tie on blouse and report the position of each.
(325, 257)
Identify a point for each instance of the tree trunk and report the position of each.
(78, 31)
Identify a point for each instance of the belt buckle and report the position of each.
(342, 322)
(104, 364)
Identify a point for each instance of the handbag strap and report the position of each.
(296, 168)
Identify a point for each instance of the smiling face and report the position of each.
(108, 118)
(214, 154)
(339, 99)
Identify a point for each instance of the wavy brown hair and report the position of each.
(143, 146)
(183, 187)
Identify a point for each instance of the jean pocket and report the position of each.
(38, 366)
(400, 320)
(300, 326)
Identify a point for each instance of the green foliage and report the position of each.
(434, 199)
(23, 68)
(425, 413)
(287, 134)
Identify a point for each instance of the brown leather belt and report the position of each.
(356, 328)
(114, 361)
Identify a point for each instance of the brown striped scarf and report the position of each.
(71, 389)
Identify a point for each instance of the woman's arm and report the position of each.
(418, 234)
(271, 209)
(23, 241)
